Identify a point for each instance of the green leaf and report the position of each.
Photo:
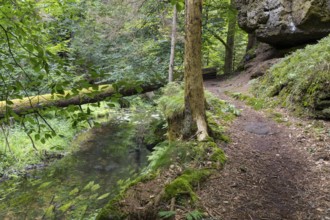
(66, 206)
(30, 47)
(8, 102)
(166, 214)
(49, 213)
(194, 215)
(89, 185)
(37, 137)
(74, 191)
(103, 196)
(95, 187)
(44, 185)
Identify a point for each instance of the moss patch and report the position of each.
(301, 81)
(184, 184)
(255, 103)
(212, 154)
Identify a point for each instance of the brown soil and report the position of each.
(274, 170)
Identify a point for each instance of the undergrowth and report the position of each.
(255, 103)
(196, 160)
(300, 81)
(39, 140)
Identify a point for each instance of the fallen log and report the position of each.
(94, 94)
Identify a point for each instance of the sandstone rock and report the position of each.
(285, 23)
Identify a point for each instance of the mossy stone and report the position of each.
(183, 185)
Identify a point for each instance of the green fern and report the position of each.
(166, 214)
(159, 155)
(194, 215)
(172, 101)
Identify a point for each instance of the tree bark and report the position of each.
(173, 42)
(34, 103)
(229, 57)
(195, 119)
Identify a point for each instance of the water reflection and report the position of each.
(77, 185)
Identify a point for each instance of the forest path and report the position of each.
(271, 171)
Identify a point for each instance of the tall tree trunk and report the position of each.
(195, 119)
(229, 58)
(173, 42)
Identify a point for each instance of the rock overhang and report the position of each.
(285, 23)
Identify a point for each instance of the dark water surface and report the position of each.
(76, 186)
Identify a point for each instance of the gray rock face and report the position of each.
(285, 23)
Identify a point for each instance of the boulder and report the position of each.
(285, 23)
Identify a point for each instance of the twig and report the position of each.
(27, 133)
(12, 54)
(7, 141)
(172, 204)
(51, 201)
(46, 122)
(87, 119)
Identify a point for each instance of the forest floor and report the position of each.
(275, 170)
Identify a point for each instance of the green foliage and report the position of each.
(168, 153)
(179, 4)
(44, 137)
(166, 214)
(221, 108)
(171, 103)
(255, 103)
(215, 30)
(300, 81)
(160, 156)
(183, 185)
(21, 149)
(134, 45)
(218, 114)
(210, 151)
(194, 215)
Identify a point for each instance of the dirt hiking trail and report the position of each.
(275, 171)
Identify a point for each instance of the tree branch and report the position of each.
(218, 38)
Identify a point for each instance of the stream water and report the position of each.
(76, 186)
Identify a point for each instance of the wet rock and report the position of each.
(285, 23)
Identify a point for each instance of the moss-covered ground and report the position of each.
(301, 81)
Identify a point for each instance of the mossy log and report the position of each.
(95, 94)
